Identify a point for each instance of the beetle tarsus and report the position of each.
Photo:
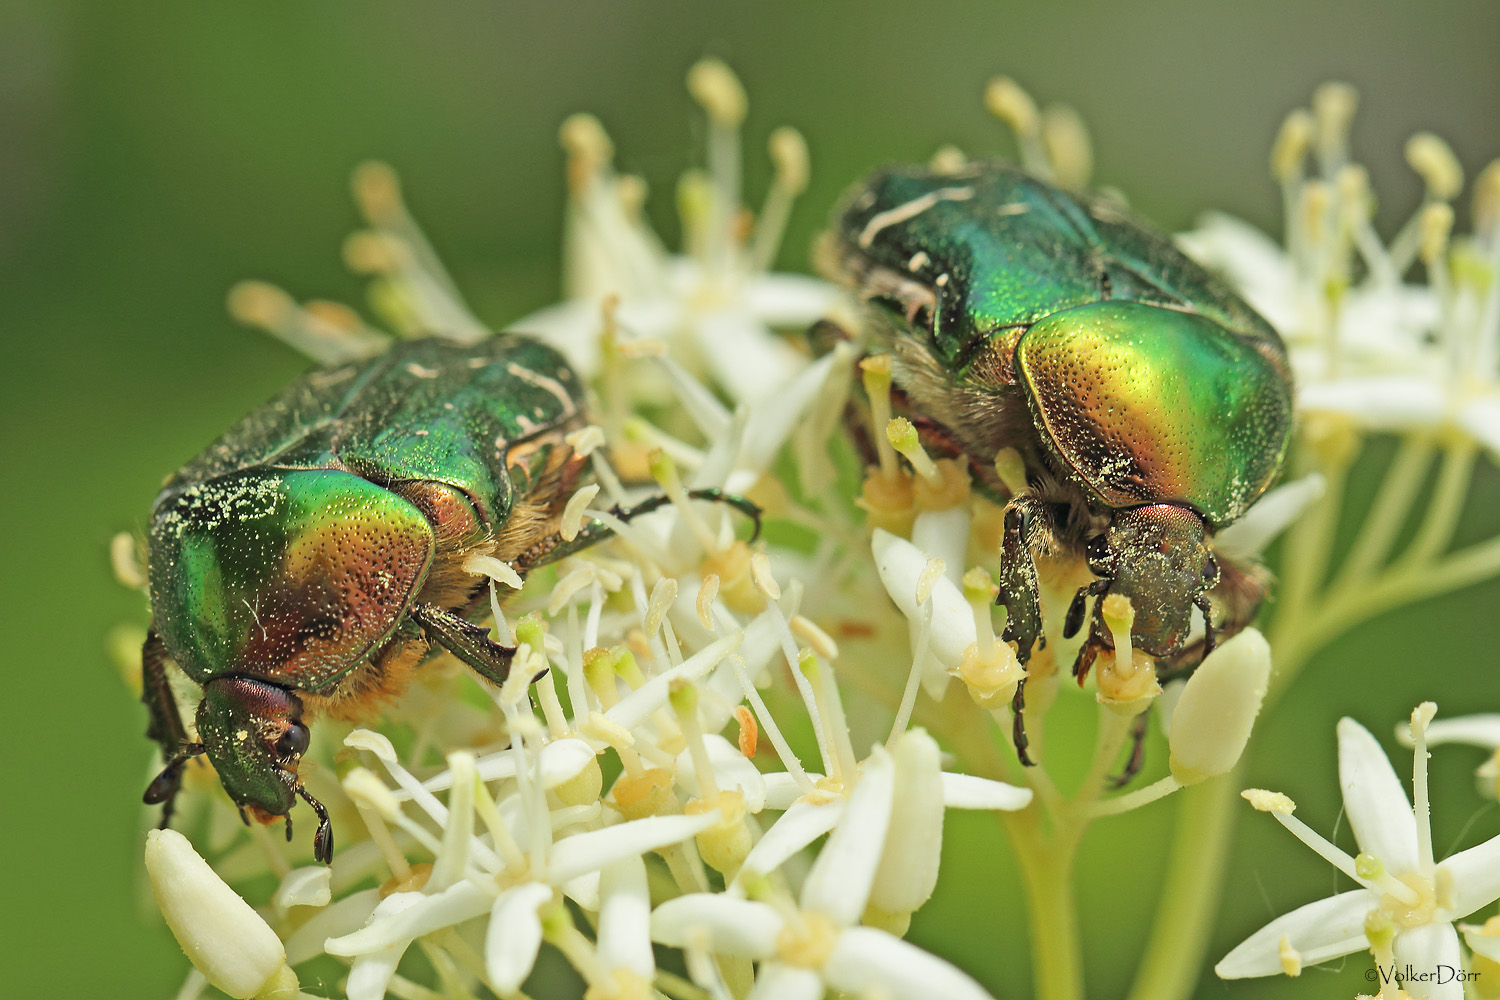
(323, 839)
(1078, 607)
(1018, 724)
(1137, 752)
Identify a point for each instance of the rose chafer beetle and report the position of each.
(312, 557)
(1151, 406)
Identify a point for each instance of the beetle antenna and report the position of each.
(323, 839)
(1074, 620)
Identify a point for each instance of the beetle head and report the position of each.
(254, 736)
(1160, 558)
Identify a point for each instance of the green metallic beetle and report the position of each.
(1151, 406)
(312, 557)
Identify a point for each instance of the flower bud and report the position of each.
(1212, 720)
(223, 936)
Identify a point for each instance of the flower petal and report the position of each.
(799, 826)
(1472, 730)
(839, 883)
(1481, 943)
(596, 849)
(965, 791)
(562, 760)
(866, 960)
(788, 300)
(1378, 402)
(1379, 811)
(779, 981)
(514, 936)
(1324, 930)
(416, 914)
(744, 356)
(908, 867)
(625, 918)
(1431, 948)
(1481, 418)
(716, 922)
(1269, 517)
(1475, 877)
(306, 886)
(632, 709)
(344, 916)
(900, 564)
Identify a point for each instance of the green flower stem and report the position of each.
(1047, 865)
(1393, 501)
(1190, 895)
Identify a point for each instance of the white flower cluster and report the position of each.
(1367, 340)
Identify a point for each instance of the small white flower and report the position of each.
(1408, 902)
(817, 944)
(717, 305)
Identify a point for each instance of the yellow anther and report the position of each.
(706, 594)
(632, 192)
(377, 190)
(1006, 100)
(572, 516)
(948, 160)
(1011, 468)
(760, 572)
(789, 155)
(1269, 802)
(1334, 104)
(1066, 140)
(257, 303)
(1436, 223)
(928, 578)
(1434, 161)
(902, 435)
(370, 252)
(1291, 145)
(715, 87)
(125, 560)
(1291, 958)
(1487, 196)
(817, 640)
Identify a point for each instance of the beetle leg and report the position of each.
(1137, 751)
(465, 640)
(1203, 605)
(1018, 724)
(165, 727)
(1076, 609)
(554, 547)
(1028, 523)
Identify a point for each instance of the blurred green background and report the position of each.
(153, 154)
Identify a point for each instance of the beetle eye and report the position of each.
(1100, 559)
(293, 742)
(1211, 573)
